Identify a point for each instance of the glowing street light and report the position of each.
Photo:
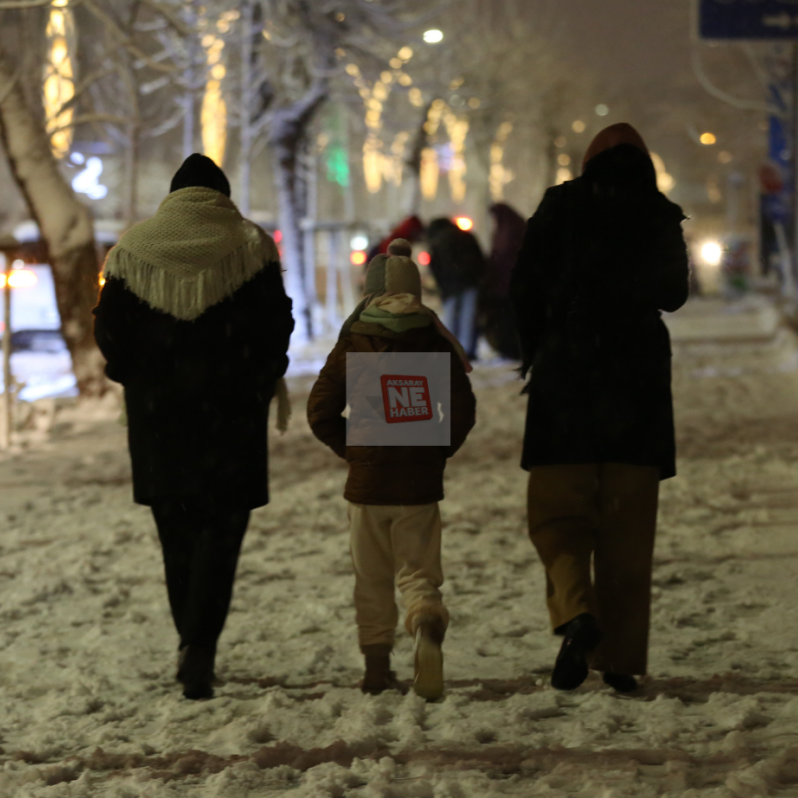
(464, 223)
(358, 241)
(433, 36)
(20, 278)
(707, 139)
(711, 253)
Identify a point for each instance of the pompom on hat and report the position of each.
(400, 246)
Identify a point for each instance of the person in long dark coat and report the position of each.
(458, 266)
(602, 256)
(508, 235)
(194, 322)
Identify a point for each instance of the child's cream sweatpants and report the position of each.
(395, 546)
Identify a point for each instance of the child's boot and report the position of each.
(428, 682)
(379, 677)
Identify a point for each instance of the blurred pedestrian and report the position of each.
(458, 266)
(508, 235)
(194, 323)
(393, 491)
(603, 254)
(410, 229)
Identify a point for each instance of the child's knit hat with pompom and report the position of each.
(394, 273)
(403, 272)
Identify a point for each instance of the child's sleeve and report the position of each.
(327, 401)
(463, 405)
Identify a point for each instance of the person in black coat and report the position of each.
(601, 257)
(194, 322)
(508, 235)
(458, 266)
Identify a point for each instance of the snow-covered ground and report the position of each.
(88, 701)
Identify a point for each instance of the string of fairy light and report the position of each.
(213, 115)
(499, 174)
(457, 131)
(381, 163)
(59, 77)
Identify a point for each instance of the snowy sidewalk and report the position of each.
(88, 702)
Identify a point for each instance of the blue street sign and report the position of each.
(748, 19)
(778, 207)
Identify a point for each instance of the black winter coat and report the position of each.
(456, 259)
(601, 257)
(198, 392)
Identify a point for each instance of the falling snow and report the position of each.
(87, 649)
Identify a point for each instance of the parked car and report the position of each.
(49, 341)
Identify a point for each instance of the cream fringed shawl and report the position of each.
(196, 251)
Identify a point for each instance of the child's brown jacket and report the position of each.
(400, 475)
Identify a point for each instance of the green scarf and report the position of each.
(397, 312)
(397, 323)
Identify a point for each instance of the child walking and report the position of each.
(393, 491)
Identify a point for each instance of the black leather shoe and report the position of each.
(621, 682)
(582, 635)
(196, 672)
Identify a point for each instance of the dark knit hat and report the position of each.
(200, 171)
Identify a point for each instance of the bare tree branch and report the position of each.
(11, 4)
(711, 88)
(11, 85)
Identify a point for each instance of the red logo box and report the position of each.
(405, 398)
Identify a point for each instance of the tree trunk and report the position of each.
(131, 176)
(285, 174)
(188, 123)
(286, 135)
(64, 224)
(245, 168)
(413, 162)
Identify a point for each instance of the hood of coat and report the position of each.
(617, 160)
(441, 228)
(612, 136)
(370, 337)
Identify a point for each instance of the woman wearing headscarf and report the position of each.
(602, 256)
(194, 323)
(508, 235)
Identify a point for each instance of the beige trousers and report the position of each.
(395, 546)
(607, 512)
